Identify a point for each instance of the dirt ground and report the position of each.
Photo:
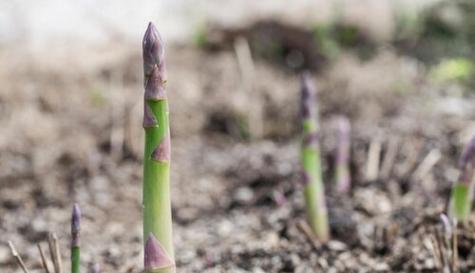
(71, 132)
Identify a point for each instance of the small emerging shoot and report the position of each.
(75, 230)
(18, 258)
(461, 199)
(314, 191)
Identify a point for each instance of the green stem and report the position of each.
(461, 201)
(156, 188)
(314, 191)
(75, 258)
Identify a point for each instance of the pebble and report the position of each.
(244, 195)
(336, 245)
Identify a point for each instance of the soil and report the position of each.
(71, 132)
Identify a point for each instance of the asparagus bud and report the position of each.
(75, 233)
(157, 220)
(461, 199)
(342, 172)
(152, 50)
(310, 157)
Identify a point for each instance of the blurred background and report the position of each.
(70, 128)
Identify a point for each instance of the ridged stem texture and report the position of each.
(75, 233)
(314, 191)
(462, 191)
(157, 219)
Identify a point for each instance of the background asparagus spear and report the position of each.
(310, 156)
(75, 229)
(157, 220)
(461, 199)
(342, 171)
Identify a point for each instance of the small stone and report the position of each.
(336, 245)
(381, 267)
(244, 195)
(258, 270)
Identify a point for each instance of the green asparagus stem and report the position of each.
(461, 201)
(342, 168)
(462, 191)
(157, 219)
(75, 230)
(310, 156)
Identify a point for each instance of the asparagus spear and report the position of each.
(342, 172)
(75, 233)
(310, 157)
(461, 199)
(157, 219)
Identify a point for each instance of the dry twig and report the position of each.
(58, 254)
(427, 164)
(412, 156)
(43, 259)
(246, 67)
(55, 253)
(17, 257)
(436, 252)
(455, 253)
(389, 158)
(374, 152)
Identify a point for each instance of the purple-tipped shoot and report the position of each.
(314, 191)
(342, 157)
(75, 238)
(157, 219)
(461, 198)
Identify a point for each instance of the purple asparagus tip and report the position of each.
(154, 72)
(467, 163)
(155, 255)
(307, 103)
(95, 268)
(75, 225)
(152, 47)
(308, 110)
